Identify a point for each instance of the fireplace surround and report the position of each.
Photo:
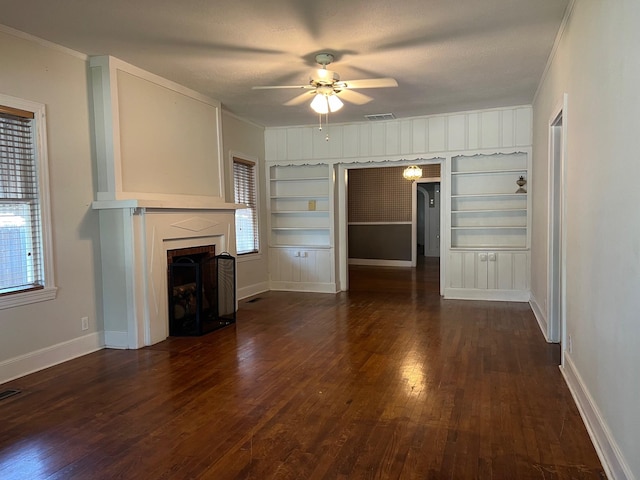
(135, 238)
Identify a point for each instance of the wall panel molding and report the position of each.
(418, 136)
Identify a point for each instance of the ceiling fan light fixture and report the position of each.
(322, 75)
(320, 104)
(335, 103)
(412, 173)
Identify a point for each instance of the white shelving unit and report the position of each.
(486, 211)
(301, 227)
(489, 227)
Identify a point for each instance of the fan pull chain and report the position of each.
(326, 123)
(326, 138)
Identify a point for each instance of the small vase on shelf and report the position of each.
(521, 182)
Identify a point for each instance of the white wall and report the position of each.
(597, 65)
(57, 79)
(246, 139)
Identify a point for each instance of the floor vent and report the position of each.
(253, 300)
(8, 393)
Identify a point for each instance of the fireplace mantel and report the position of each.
(172, 203)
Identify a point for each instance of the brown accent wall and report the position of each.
(380, 242)
(379, 195)
(430, 171)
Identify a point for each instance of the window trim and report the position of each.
(251, 160)
(49, 290)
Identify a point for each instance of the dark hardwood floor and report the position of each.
(387, 381)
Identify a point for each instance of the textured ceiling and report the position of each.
(447, 55)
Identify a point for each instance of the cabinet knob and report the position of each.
(483, 257)
(492, 257)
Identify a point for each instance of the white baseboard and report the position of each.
(252, 290)
(379, 263)
(47, 357)
(119, 340)
(487, 294)
(541, 318)
(610, 456)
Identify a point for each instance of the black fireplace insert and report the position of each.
(201, 290)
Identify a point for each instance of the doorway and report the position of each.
(556, 325)
(342, 223)
(428, 217)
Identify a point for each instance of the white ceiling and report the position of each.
(447, 55)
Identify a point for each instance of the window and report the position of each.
(244, 183)
(25, 261)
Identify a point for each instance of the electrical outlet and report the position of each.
(569, 344)
(85, 323)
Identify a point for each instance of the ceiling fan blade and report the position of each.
(369, 83)
(270, 87)
(354, 97)
(297, 100)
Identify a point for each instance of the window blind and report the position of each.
(244, 182)
(21, 266)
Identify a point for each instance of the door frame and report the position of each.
(341, 215)
(557, 234)
(414, 215)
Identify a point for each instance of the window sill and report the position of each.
(25, 298)
(249, 257)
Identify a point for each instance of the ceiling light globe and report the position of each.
(335, 103)
(320, 104)
(412, 173)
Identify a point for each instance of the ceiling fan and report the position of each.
(325, 88)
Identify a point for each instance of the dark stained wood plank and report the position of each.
(386, 381)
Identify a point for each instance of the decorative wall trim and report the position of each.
(541, 318)
(554, 49)
(43, 42)
(252, 290)
(379, 263)
(487, 294)
(606, 447)
(402, 139)
(47, 357)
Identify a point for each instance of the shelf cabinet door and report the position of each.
(300, 265)
(301, 269)
(487, 270)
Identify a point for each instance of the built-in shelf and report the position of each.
(301, 228)
(490, 227)
(310, 196)
(300, 211)
(487, 211)
(463, 195)
(492, 172)
(491, 248)
(490, 210)
(296, 212)
(304, 247)
(301, 179)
